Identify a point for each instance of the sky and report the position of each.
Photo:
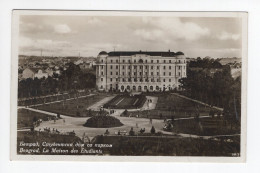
(88, 35)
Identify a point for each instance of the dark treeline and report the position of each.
(205, 63)
(70, 80)
(219, 90)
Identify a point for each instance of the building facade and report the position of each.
(139, 71)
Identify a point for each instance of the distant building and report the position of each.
(49, 71)
(85, 66)
(78, 62)
(139, 71)
(225, 61)
(34, 73)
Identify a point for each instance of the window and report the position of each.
(117, 67)
(134, 61)
(152, 73)
(111, 79)
(179, 67)
(123, 79)
(102, 67)
(179, 61)
(140, 73)
(158, 80)
(170, 67)
(116, 79)
(123, 73)
(164, 73)
(151, 61)
(170, 73)
(111, 61)
(170, 61)
(129, 61)
(157, 67)
(146, 61)
(116, 73)
(102, 73)
(101, 79)
(164, 67)
(101, 60)
(117, 61)
(129, 67)
(179, 73)
(157, 61)
(163, 80)
(111, 67)
(151, 67)
(101, 86)
(129, 80)
(129, 73)
(170, 80)
(135, 67)
(146, 73)
(134, 73)
(123, 67)
(164, 61)
(123, 61)
(111, 73)
(157, 73)
(146, 67)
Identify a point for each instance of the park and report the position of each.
(147, 115)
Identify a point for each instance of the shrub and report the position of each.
(103, 122)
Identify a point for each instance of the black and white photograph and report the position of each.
(100, 84)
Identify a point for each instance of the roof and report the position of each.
(102, 53)
(35, 70)
(130, 53)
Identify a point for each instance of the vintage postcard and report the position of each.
(129, 86)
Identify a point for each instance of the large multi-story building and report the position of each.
(139, 70)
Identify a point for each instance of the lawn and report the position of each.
(169, 106)
(25, 118)
(168, 146)
(207, 126)
(126, 102)
(75, 107)
(39, 100)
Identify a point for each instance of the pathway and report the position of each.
(69, 124)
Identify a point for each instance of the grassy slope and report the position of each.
(70, 106)
(25, 117)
